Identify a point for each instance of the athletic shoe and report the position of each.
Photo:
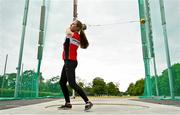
(66, 106)
(88, 105)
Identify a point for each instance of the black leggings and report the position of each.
(68, 74)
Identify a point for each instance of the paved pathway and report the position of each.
(102, 106)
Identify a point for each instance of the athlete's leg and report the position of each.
(63, 84)
(70, 72)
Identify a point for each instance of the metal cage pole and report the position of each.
(150, 41)
(75, 9)
(41, 45)
(16, 93)
(145, 47)
(74, 18)
(4, 75)
(163, 19)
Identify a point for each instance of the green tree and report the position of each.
(163, 81)
(1, 79)
(176, 75)
(130, 89)
(136, 89)
(81, 84)
(139, 87)
(52, 85)
(112, 89)
(27, 80)
(10, 81)
(99, 86)
(88, 89)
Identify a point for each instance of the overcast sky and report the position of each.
(115, 51)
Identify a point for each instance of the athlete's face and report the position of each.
(74, 27)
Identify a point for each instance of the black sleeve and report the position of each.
(66, 47)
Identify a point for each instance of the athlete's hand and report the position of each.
(69, 32)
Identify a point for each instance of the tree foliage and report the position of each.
(112, 89)
(99, 86)
(163, 82)
(137, 88)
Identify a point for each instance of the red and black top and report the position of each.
(71, 45)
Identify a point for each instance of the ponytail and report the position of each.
(83, 41)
